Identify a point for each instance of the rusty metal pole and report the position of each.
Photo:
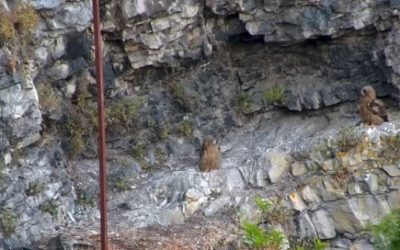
(101, 122)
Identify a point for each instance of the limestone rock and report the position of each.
(298, 169)
(310, 196)
(306, 227)
(216, 205)
(324, 224)
(278, 165)
(392, 170)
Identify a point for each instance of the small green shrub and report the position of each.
(25, 18)
(7, 221)
(124, 112)
(274, 94)
(263, 205)
(75, 133)
(139, 151)
(260, 238)
(7, 31)
(151, 123)
(386, 234)
(272, 212)
(347, 139)
(186, 127)
(2, 167)
(50, 207)
(164, 131)
(179, 91)
(185, 99)
(243, 101)
(48, 98)
(160, 156)
(86, 199)
(121, 185)
(319, 245)
(16, 30)
(393, 142)
(34, 188)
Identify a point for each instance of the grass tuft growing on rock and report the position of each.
(186, 127)
(319, 245)
(121, 185)
(386, 234)
(274, 94)
(16, 31)
(139, 151)
(34, 188)
(260, 238)
(48, 98)
(50, 207)
(25, 18)
(7, 30)
(243, 102)
(348, 138)
(7, 221)
(86, 199)
(124, 112)
(264, 205)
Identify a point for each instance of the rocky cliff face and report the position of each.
(271, 79)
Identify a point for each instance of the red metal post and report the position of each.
(101, 122)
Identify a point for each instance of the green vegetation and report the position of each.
(319, 245)
(260, 238)
(263, 205)
(124, 112)
(34, 188)
(2, 167)
(7, 221)
(18, 24)
(179, 91)
(139, 151)
(151, 123)
(391, 148)
(386, 234)
(164, 131)
(82, 121)
(25, 18)
(86, 199)
(308, 244)
(243, 102)
(7, 30)
(160, 156)
(274, 94)
(181, 96)
(273, 213)
(16, 29)
(121, 184)
(186, 128)
(348, 138)
(50, 207)
(48, 97)
(75, 133)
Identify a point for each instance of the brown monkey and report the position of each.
(372, 111)
(210, 154)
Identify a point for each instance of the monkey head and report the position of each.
(368, 92)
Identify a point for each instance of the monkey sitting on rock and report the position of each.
(210, 154)
(371, 110)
